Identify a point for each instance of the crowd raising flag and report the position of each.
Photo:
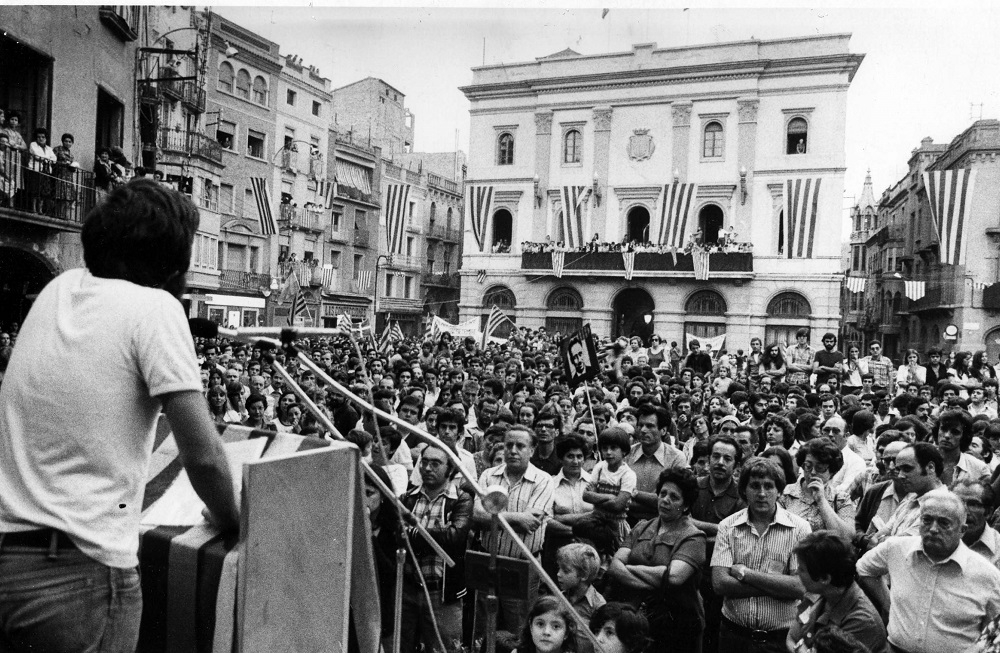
(392, 334)
(496, 318)
(298, 307)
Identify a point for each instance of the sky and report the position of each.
(930, 68)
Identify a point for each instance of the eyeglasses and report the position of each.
(831, 429)
(819, 468)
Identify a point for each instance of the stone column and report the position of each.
(543, 148)
(745, 159)
(681, 112)
(602, 156)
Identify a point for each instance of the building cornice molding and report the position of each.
(771, 172)
(633, 193)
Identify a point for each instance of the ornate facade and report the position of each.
(695, 155)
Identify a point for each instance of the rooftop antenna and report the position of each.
(484, 50)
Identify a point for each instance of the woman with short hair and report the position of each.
(814, 498)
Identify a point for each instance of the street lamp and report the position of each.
(388, 261)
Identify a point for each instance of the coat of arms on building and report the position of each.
(640, 145)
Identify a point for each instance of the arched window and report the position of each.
(448, 219)
(260, 90)
(710, 221)
(706, 302)
(572, 146)
(713, 140)
(564, 299)
(433, 211)
(563, 311)
(501, 296)
(503, 231)
(638, 225)
(798, 134)
(789, 304)
(243, 84)
(226, 76)
(505, 149)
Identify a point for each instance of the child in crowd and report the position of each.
(620, 628)
(578, 567)
(549, 629)
(611, 488)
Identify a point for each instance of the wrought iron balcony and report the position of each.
(438, 231)
(441, 279)
(190, 144)
(194, 96)
(612, 263)
(123, 20)
(442, 183)
(309, 273)
(407, 262)
(38, 188)
(243, 280)
(291, 217)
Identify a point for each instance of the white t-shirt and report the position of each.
(604, 481)
(79, 406)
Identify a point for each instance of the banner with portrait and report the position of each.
(579, 356)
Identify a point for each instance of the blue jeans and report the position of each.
(416, 624)
(71, 603)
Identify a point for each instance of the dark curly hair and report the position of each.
(685, 480)
(824, 451)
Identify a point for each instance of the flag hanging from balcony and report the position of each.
(495, 319)
(364, 280)
(677, 200)
(481, 276)
(480, 204)
(263, 200)
(558, 259)
(397, 198)
(629, 258)
(328, 272)
(856, 284)
(914, 290)
(701, 259)
(327, 191)
(573, 198)
(949, 193)
(801, 210)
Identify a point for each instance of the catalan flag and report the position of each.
(800, 215)
(495, 319)
(263, 199)
(397, 199)
(677, 200)
(480, 204)
(949, 194)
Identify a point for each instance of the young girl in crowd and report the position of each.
(620, 628)
(549, 629)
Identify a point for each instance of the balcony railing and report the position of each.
(612, 262)
(45, 188)
(408, 262)
(413, 177)
(344, 284)
(392, 170)
(242, 280)
(175, 89)
(941, 292)
(443, 279)
(441, 182)
(194, 96)
(122, 19)
(443, 232)
(191, 144)
(309, 273)
(292, 217)
(350, 192)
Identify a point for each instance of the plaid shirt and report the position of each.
(799, 356)
(429, 513)
(882, 370)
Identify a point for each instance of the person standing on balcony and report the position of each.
(40, 177)
(13, 131)
(66, 168)
(106, 177)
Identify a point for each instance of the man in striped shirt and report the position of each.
(529, 506)
(754, 566)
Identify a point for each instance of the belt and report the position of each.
(756, 635)
(432, 585)
(42, 538)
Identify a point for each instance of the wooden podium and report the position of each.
(286, 584)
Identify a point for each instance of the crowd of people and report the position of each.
(725, 243)
(783, 499)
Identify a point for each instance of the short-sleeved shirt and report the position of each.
(534, 490)
(772, 551)
(648, 546)
(828, 359)
(799, 356)
(79, 407)
(568, 495)
(605, 481)
(712, 508)
(853, 613)
(800, 502)
(936, 607)
(647, 470)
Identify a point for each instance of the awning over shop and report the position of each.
(353, 175)
(234, 300)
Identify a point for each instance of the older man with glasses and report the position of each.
(835, 428)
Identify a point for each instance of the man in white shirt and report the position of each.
(835, 428)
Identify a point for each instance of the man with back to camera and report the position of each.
(72, 464)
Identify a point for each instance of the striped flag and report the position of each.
(856, 284)
(949, 193)
(365, 279)
(298, 307)
(328, 273)
(344, 322)
(801, 210)
(433, 331)
(573, 198)
(677, 200)
(263, 200)
(558, 260)
(629, 258)
(701, 259)
(481, 276)
(396, 204)
(327, 191)
(495, 319)
(914, 289)
(480, 204)
(392, 334)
